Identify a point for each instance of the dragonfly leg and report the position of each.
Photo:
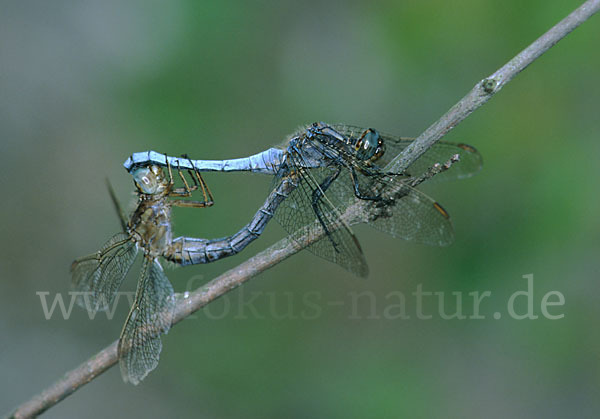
(208, 199)
(168, 164)
(199, 183)
(191, 204)
(186, 191)
(357, 191)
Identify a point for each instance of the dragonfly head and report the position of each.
(149, 180)
(370, 146)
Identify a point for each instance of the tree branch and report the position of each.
(285, 248)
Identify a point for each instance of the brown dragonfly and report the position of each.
(99, 276)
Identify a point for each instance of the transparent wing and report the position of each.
(469, 164)
(150, 316)
(298, 217)
(409, 214)
(98, 276)
(402, 211)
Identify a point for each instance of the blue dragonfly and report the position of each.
(328, 169)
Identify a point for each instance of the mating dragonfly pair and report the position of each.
(326, 178)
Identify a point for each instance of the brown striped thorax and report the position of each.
(150, 223)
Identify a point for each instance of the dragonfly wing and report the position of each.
(113, 196)
(298, 217)
(469, 164)
(150, 316)
(470, 161)
(399, 210)
(99, 275)
(409, 214)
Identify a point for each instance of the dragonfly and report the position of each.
(99, 276)
(331, 168)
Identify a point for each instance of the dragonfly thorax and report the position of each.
(150, 226)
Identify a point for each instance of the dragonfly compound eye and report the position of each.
(145, 180)
(368, 145)
(379, 151)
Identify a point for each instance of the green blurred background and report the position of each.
(85, 84)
